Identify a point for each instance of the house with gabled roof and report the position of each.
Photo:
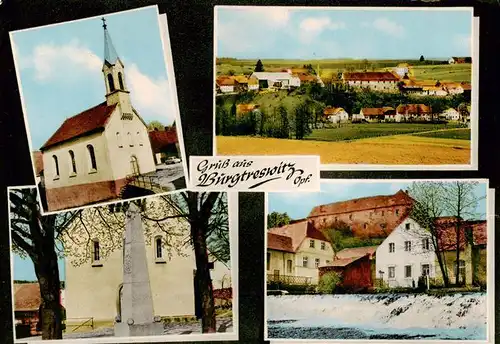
(295, 251)
(413, 112)
(90, 157)
(375, 81)
(335, 114)
(381, 114)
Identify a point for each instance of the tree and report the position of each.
(38, 237)
(329, 282)
(336, 234)
(259, 67)
(277, 219)
(284, 131)
(231, 72)
(459, 201)
(302, 121)
(155, 125)
(422, 59)
(436, 199)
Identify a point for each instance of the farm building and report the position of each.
(375, 81)
(335, 115)
(226, 84)
(295, 251)
(355, 272)
(413, 112)
(378, 114)
(457, 60)
(253, 84)
(450, 114)
(276, 80)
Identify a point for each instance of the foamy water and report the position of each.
(459, 316)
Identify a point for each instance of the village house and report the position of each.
(335, 115)
(375, 81)
(450, 114)
(294, 253)
(413, 112)
(164, 144)
(387, 114)
(459, 60)
(355, 266)
(226, 84)
(253, 84)
(405, 255)
(368, 217)
(90, 156)
(276, 80)
(409, 253)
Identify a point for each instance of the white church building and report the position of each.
(89, 157)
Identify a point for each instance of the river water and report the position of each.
(378, 316)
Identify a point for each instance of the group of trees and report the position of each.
(197, 220)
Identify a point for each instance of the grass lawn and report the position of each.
(456, 72)
(459, 134)
(361, 131)
(385, 150)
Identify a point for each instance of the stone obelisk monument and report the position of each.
(136, 314)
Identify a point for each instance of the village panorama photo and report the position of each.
(101, 115)
(157, 268)
(364, 87)
(404, 260)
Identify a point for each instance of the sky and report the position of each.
(291, 33)
(299, 204)
(59, 68)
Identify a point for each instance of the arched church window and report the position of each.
(119, 140)
(130, 139)
(72, 161)
(111, 83)
(158, 248)
(56, 165)
(93, 163)
(120, 81)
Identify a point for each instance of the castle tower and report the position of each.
(113, 71)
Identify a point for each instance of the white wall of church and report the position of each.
(127, 138)
(221, 276)
(92, 291)
(84, 173)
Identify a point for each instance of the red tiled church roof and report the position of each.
(373, 202)
(86, 122)
(159, 139)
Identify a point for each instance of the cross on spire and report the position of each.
(110, 55)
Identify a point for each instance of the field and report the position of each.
(361, 131)
(459, 134)
(330, 67)
(386, 150)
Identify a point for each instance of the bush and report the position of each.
(329, 282)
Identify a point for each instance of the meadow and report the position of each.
(385, 150)
(427, 70)
(361, 131)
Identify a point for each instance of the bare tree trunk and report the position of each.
(444, 271)
(203, 279)
(48, 277)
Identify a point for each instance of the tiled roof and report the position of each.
(332, 110)
(343, 261)
(447, 233)
(370, 76)
(279, 242)
(242, 79)
(38, 159)
(307, 77)
(86, 122)
(364, 203)
(377, 111)
(161, 138)
(27, 297)
(225, 81)
(413, 109)
(357, 252)
(244, 108)
(298, 232)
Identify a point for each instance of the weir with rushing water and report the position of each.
(378, 316)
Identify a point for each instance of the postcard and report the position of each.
(364, 88)
(99, 107)
(363, 260)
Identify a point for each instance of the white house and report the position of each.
(280, 80)
(226, 85)
(90, 156)
(375, 81)
(405, 255)
(335, 115)
(451, 114)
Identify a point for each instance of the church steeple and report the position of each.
(114, 74)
